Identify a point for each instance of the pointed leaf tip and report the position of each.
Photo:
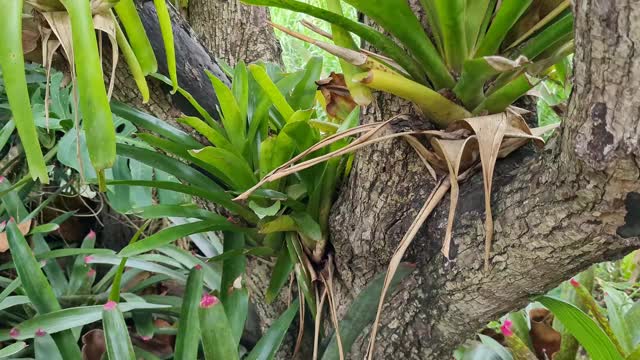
(574, 282)
(88, 259)
(110, 305)
(506, 328)
(198, 267)
(14, 333)
(208, 301)
(40, 332)
(91, 235)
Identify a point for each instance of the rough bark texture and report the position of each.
(555, 212)
(234, 31)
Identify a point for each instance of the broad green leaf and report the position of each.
(227, 162)
(583, 328)
(217, 339)
(97, 119)
(236, 307)
(137, 263)
(280, 224)
(188, 326)
(14, 348)
(52, 268)
(451, 18)
(169, 165)
(215, 136)
(502, 352)
(152, 123)
(128, 16)
(304, 93)
(116, 333)
(135, 68)
(188, 260)
(80, 268)
(307, 226)
(164, 19)
(269, 344)
(44, 228)
(13, 301)
(240, 88)
(233, 267)
(45, 348)
(234, 124)
(271, 90)
(184, 210)
(13, 73)
(508, 13)
(521, 326)
(632, 317)
(173, 233)
(215, 196)
(263, 212)
(69, 318)
(279, 276)
(380, 41)
(618, 303)
(362, 312)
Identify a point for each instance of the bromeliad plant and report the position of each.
(463, 72)
(71, 25)
(267, 118)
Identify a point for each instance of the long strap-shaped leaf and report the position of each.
(377, 39)
(116, 333)
(140, 44)
(12, 63)
(188, 328)
(164, 19)
(38, 289)
(97, 118)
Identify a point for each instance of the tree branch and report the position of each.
(555, 213)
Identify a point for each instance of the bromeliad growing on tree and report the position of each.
(463, 72)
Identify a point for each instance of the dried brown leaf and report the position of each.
(24, 228)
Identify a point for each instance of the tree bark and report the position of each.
(556, 211)
(234, 31)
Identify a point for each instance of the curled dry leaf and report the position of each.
(93, 345)
(503, 64)
(24, 229)
(545, 339)
(337, 97)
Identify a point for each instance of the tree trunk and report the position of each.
(556, 212)
(234, 31)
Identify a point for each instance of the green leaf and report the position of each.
(362, 312)
(307, 226)
(128, 16)
(280, 224)
(227, 162)
(617, 303)
(137, 263)
(236, 307)
(269, 344)
(271, 90)
(80, 269)
(217, 339)
(583, 328)
(279, 276)
(240, 88)
(451, 18)
(52, 268)
(14, 348)
(116, 333)
(188, 330)
(502, 352)
(183, 210)
(13, 73)
(188, 260)
(205, 115)
(13, 301)
(65, 319)
(304, 93)
(233, 267)
(44, 228)
(164, 19)
(169, 165)
(135, 68)
(632, 316)
(263, 212)
(97, 119)
(173, 233)
(215, 136)
(218, 197)
(521, 327)
(380, 41)
(508, 14)
(234, 123)
(152, 123)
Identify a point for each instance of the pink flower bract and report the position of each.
(506, 328)
(208, 301)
